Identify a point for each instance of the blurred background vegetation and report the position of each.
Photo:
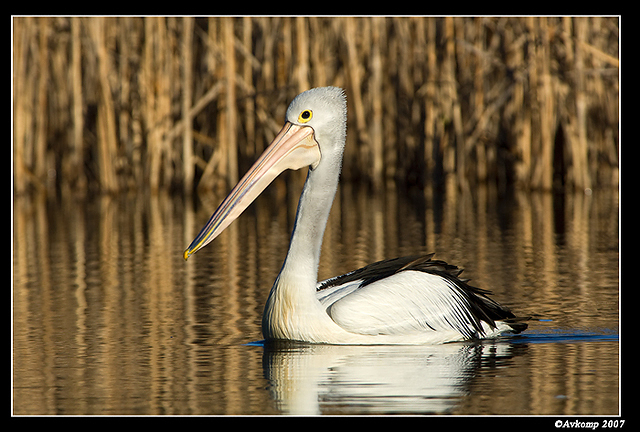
(100, 104)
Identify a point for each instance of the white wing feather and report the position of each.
(404, 303)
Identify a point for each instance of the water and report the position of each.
(109, 319)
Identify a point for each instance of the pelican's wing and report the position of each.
(405, 303)
(409, 295)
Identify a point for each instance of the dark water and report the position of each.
(109, 319)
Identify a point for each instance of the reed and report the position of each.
(111, 104)
(187, 77)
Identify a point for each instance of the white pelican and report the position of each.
(411, 300)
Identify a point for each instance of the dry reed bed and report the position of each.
(102, 103)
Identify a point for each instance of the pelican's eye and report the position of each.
(305, 116)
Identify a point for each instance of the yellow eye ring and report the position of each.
(305, 116)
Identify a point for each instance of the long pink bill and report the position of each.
(293, 148)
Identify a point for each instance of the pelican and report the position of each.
(409, 300)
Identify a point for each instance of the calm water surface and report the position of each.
(109, 319)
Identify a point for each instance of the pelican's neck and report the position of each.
(292, 310)
(301, 264)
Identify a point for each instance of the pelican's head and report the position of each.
(313, 135)
(324, 109)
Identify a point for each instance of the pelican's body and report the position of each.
(410, 300)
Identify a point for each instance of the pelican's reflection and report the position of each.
(314, 379)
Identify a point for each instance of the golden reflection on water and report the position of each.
(109, 319)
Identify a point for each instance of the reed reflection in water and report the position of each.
(109, 319)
